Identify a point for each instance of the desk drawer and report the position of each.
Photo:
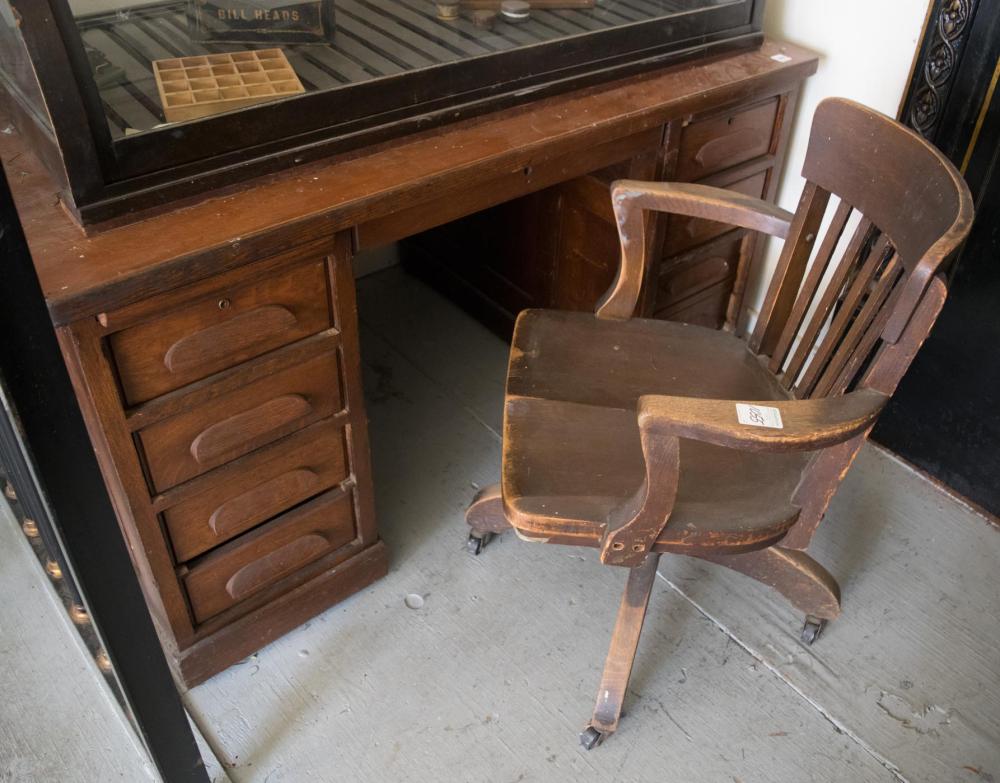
(191, 443)
(725, 140)
(196, 340)
(706, 308)
(686, 232)
(274, 480)
(699, 270)
(262, 557)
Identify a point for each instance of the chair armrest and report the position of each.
(630, 199)
(806, 425)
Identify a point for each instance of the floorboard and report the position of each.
(912, 667)
(443, 343)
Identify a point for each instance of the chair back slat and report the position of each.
(857, 249)
(877, 296)
(813, 279)
(864, 352)
(825, 319)
(843, 317)
(791, 267)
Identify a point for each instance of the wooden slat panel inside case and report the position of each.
(193, 87)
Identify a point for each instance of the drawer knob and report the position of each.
(223, 437)
(208, 346)
(261, 502)
(276, 564)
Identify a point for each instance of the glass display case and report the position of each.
(142, 102)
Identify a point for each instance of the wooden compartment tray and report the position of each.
(203, 85)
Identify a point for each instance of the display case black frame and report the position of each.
(104, 177)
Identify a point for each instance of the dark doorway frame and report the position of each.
(935, 420)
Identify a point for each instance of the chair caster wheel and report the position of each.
(590, 738)
(812, 629)
(475, 544)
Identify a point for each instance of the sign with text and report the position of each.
(271, 21)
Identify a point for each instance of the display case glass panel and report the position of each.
(157, 97)
(163, 62)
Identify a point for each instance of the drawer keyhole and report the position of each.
(224, 304)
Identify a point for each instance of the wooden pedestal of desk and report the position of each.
(558, 248)
(228, 416)
(214, 347)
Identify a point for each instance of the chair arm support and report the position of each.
(634, 526)
(630, 199)
(806, 425)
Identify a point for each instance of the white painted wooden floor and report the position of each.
(58, 721)
(494, 675)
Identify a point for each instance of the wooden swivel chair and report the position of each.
(640, 437)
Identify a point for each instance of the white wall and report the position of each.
(866, 50)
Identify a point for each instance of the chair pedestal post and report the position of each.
(624, 641)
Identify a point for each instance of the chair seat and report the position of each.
(571, 438)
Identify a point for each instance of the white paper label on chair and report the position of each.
(759, 416)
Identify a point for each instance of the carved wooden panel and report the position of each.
(943, 46)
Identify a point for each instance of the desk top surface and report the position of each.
(85, 275)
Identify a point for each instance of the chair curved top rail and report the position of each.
(900, 182)
(850, 278)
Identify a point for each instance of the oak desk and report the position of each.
(214, 347)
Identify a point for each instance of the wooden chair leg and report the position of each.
(804, 582)
(485, 517)
(624, 641)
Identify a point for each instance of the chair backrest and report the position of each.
(902, 210)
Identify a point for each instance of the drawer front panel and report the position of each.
(682, 280)
(687, 232)
(706, 308)
(262, 557)
(269, 483)
(195, 341)
(726, 140)
(193, 442)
